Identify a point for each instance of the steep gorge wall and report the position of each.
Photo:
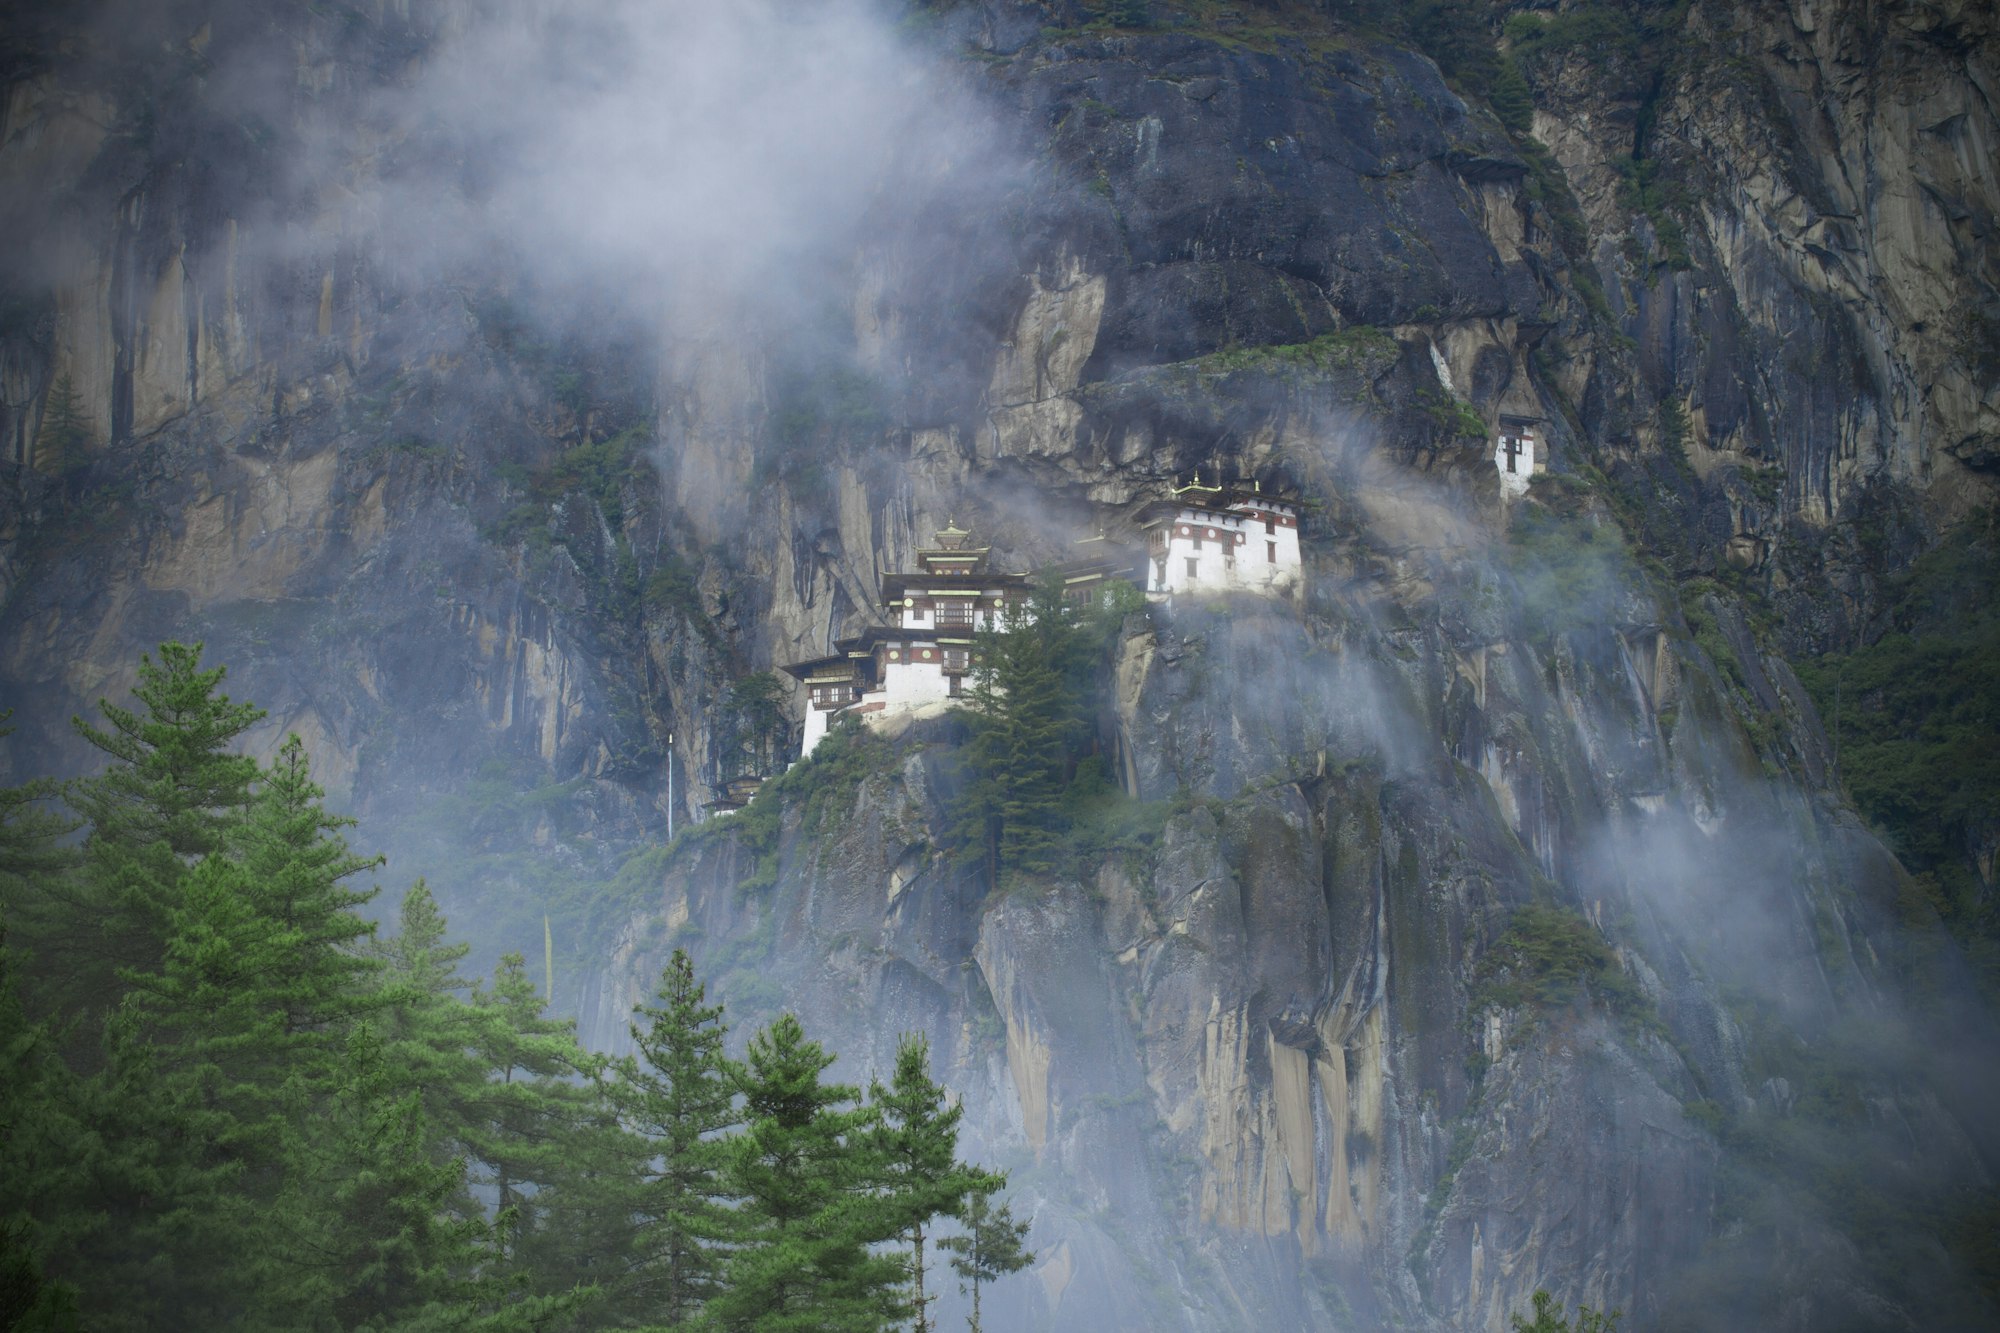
(1251, 1078)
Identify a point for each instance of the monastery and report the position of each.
(1205, 538)
(918, 662)
(1202, 538)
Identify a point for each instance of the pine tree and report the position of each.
(368, 1231)
(31, 833)
(683, 1098)
(988, 1249)
(914, 1149)
(419, 961)
(296, 859)
(541, 1132)
(489, 1094)
(173, 795)
(38, 1138)
(67, 432)
(808, 1216)
(233, 1040)
(1025, 711)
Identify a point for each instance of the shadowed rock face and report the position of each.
(1267, 1070)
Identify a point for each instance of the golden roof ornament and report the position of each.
(1196, 485)
(951, 537)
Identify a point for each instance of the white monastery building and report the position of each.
(918, 662)
(1218, 539)
(1204, 539)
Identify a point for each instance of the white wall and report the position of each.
(1223, 562)
(910, 684)
(1216, 557)
(1515, 482)
(817, 722)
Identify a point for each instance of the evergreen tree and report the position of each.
(172, 796)
(419, 962)
(67, 432)
(495, 1101)
(368, 1228)
(295, 859)
(1025, 711)
(233, 1037)
(682, 1097)
(1549, 1318)
(989, 1248)
(542, 1133)
(914, 1146)
(173, 782)
(808, 1214)
(31, 849)
(38, 1141)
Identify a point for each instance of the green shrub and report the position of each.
(1913, 717)
(1348, 349)
(1569, 567)
(1550, 957)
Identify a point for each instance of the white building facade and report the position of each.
(1515, 455)
(1216, 539)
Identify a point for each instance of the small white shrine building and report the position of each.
(1222, 539)
(1515, 455)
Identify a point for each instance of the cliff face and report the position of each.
(498, 542)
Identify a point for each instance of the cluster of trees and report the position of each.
(1031, 713)
(227, 1101)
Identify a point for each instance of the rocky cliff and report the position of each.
(406, 355)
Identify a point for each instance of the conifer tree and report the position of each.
(173, 795)
(543, 1134)
(914, 1147)
(67, 432)
(367, 1229)
(237, 1027)
(1025, 710)
(296, 859)
(514, 1129)
(680, 1092)
(31, 833)
(989, 1248)
(38, 1138)
(808, 1216)
(493, 1106)
(419, 960)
